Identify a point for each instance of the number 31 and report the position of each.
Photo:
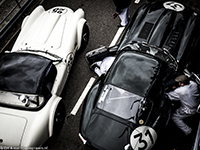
(143, 138)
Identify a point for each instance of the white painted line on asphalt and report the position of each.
(117, 36)
(82, 97)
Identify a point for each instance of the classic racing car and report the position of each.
(127, 108)
(33, 74)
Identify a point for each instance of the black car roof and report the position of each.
(134, 72)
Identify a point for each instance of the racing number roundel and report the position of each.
(59, 10)
(174, 6)
(143, 138)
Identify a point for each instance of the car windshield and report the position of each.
(133, 72)
(119, 102)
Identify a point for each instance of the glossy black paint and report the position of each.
(177, 32)
(152, 24)
(104, 130)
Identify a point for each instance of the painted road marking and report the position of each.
(82, 97)
(117, 36)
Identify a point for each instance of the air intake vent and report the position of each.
(146, 29)
(172, 40)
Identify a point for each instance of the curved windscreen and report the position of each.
(119, 102)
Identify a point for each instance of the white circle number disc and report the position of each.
(174, 6)
(143, 138)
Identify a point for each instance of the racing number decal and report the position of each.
(141, 141)
(59, 10)
(174, 6)
(139, 135)
(148, 133)
(143, 138)
(70, 59)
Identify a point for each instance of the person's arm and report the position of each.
(171, 85)
(173, 95)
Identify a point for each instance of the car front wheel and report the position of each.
(85, 37)
(59, 118)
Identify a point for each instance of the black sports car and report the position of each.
(126, 108)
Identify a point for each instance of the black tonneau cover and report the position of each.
(26, 73)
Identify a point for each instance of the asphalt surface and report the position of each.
(103, 28)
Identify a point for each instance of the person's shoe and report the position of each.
(93, 66)
(119, 25)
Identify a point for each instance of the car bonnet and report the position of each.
(159, 25)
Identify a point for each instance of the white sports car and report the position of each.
(33, 74)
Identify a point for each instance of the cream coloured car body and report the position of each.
(57, 31)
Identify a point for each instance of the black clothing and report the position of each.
(169, 85)
(121, 4)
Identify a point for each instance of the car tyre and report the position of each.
(85, 37)
(59, 118)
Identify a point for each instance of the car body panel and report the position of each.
(50, 35)
(52, 31)
(12, 137)
(37, 124)
(127, 108)
(111, 98)
(197, 139)
(165, 28)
